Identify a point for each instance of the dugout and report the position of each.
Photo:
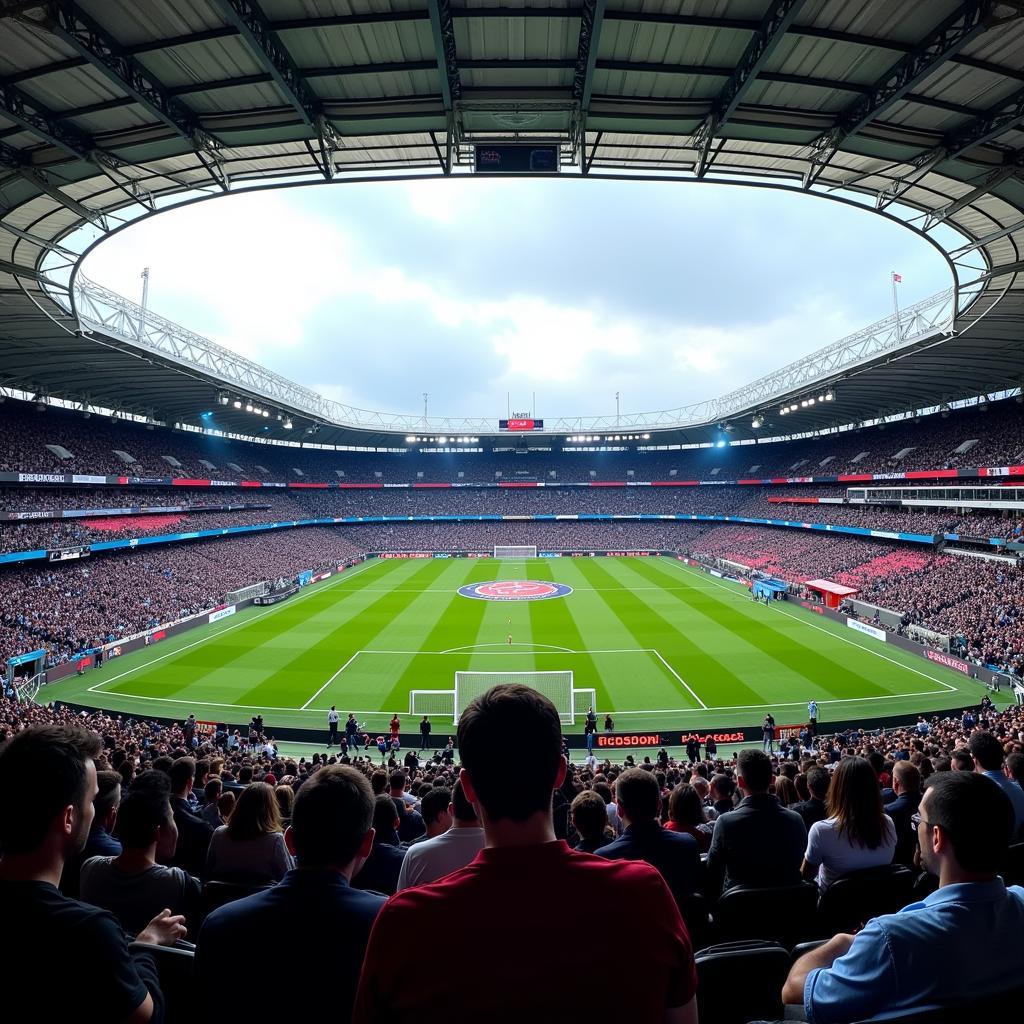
(833, 594)
(771, 590)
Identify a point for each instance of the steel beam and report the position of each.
(943, 213)
(17, 161)
(442, 28)
(272, 55)
(765, 39)
(23, 110)
(100, 49)
(952, 34)
(591, 22)
(990, 125)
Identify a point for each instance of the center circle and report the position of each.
(514, 590)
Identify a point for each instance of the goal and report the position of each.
(516, 551)
(557, 686)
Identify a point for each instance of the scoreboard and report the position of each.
(521, 425)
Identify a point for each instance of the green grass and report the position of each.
(663, 645)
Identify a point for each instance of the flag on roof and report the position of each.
(897, 277)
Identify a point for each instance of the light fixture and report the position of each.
(287, 424)
(237, 403)
(266, 412)
(442, 440)
(829, 395)
(248, 406)
(755, 423)
(222, 399)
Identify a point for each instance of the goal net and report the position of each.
(516, 551)
(432, 702)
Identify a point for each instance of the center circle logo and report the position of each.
(515, 590)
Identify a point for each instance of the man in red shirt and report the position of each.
(506, 910)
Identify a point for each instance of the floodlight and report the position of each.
(237, 404)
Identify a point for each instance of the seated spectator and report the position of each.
(988, 754)
(760, 842)
(53, 948)
(380, 870)
(723, 788)
(194, 833)
(330, 836)
(906, 785)
(785, 790)
(436, 811)
(509, 963)
(942, 950)
(100, 842)
(285, 797)
(410, 822)
(590, 819)
(250, 848)
(813, 808)
(133, 886)
(857, 834)
(686, 813)
(210, 811)
(604, 791)
(430, 860)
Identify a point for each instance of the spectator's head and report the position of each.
(499, 720)
(1015, 767)
(966, 826)
(285, 797)
(436, 809)
(722, 787)
(226, 803)
(685, 806)
(183, 774)
(386, 822)
(855, 801)
(754, 768)
(256, 813)
(785, 790)
(47, 787)
(818, 781)
(905, 778)
(108, 796)
(961, 761)
(397, 783)
(589, 816)
(145, 819)
(987, 752)
(332, 821)
(378, 782)
(212, 791)
(638, 796)
(463, 811)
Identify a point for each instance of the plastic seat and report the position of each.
(174, 965)
(694, 911)
(741, 981)
(784, 914)
(851, 901)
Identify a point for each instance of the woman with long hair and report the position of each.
(250, 848)
(686, 814)
(785, 790)
(857, 833)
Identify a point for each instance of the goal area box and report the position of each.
(556, 686)
(516, 552)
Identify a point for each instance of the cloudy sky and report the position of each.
(474, 289)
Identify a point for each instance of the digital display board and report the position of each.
(521, 424)
(505, 158)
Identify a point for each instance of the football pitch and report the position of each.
(664, 646)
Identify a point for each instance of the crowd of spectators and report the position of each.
(997, 434)
(74, 607)
(482, 845)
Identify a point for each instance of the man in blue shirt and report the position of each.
(943, 950)
(330, 836)
(675, 854)
(988, 755)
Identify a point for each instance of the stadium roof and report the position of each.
(111, 110)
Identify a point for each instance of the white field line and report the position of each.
(331, 680)
(580, 590)
(837, 636)
(473, 647)
(682, 681)
(98, 687)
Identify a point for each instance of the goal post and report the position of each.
(515, 551)
(432, 702)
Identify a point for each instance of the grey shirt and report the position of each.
(136, 899)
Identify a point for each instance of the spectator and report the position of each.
(436, 811)
(133, 886)
(686, 814)
(330, 837)
(813, 808)
(906, 784)
(507, 963)
(380, 871)
(785, 790)
(210, 812)
(47, 788)
(933, 952)
(857, 834)
(590, 820)
(432, 859)
(250, 848)
(988, 753)
(410, 822)
(604, 791)
(761, 842)
(194, 832)
(100, 842)
(723, 789)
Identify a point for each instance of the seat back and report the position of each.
(851, 901)
(1014, 871)
(741, 981)
(694, 910)
(174, 967)
(783, 914)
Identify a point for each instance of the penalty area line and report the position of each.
(305, 706)
(682, 681)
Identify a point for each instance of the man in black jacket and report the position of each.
(906, 784)
(194, 831)
(813, 809)
(761, 842)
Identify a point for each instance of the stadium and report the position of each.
(222, 572)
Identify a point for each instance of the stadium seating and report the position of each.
(852, 900)
(783, 914)
(741, 981)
